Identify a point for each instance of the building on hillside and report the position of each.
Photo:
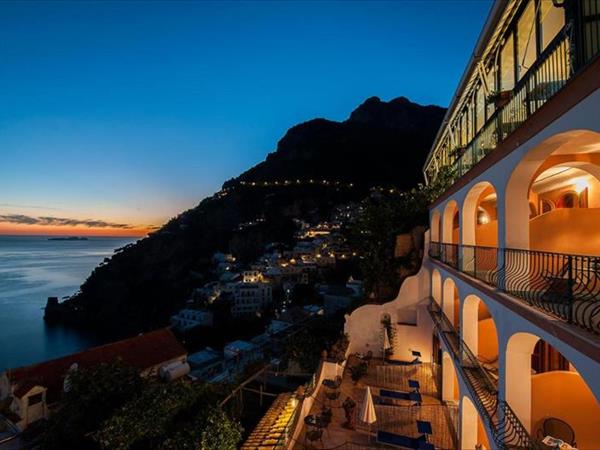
(251, 298)
(186, 319)
(507, 299)
(34, 389)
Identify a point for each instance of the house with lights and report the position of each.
(498, 335)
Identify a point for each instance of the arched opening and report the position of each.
(480, 232)
(436, 286)
(479, 333)
(480, 217)
(560, 178)
(451, 302)
(435, 227)
(472, 430)
(450, 390)
(548, 394)
(451, 223)
(568, 196)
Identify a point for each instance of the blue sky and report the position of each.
(130, 112)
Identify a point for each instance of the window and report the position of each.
(591, 28)
(490, 81)
(35, 399)
(526, 40)
(552, 21)
(507, 65)
(479, 108)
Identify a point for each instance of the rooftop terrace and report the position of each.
(397, 416)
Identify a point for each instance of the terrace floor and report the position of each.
(396, 416)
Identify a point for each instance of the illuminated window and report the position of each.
(507, 65)
(526, 40)
(553, 19)
(591, 27)
(479, 109)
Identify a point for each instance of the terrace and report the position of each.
(396, 415)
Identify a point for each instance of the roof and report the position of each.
(141, 352)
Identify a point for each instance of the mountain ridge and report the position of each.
(380, 144)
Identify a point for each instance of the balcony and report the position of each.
(461, 145)
(499, 418)
(564, 286)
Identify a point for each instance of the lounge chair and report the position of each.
(398, 395)
(398, 440)
(404, 363)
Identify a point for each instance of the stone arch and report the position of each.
(535, 394)
(479, 331)
(485, 193)
(436, 223)
(450, 386)
(449, 233)
(580, 148)
(451, 302)
(436, 286)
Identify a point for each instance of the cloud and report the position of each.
(61, 221)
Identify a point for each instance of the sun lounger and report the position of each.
(397, 440)
(398, 395)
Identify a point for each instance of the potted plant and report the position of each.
(349, 406)
(499, 98)
(358, 371)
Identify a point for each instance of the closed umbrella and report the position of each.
(386, 340)
(367, 410)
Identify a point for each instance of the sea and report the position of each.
(33, 268)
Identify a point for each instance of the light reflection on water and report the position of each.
(33, 268)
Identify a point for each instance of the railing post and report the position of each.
(501, 268)
(570, 284)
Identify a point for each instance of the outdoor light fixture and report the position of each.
(482, 218)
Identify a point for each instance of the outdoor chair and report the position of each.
(314, 435)
(333, 397)
(398, 440)
(398, 395)
(558, 429)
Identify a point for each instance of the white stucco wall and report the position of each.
(363, 325)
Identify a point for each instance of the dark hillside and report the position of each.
(382, 143)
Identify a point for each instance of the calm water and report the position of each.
(33, 268)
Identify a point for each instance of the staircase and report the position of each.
(507, 430)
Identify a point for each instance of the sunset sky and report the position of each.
(117, 116)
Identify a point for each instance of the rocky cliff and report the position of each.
(381, 143)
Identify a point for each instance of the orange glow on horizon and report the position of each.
(47, 230)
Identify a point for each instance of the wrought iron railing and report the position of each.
(507, 431)
(565, 286)
(543, 80)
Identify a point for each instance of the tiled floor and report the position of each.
(399, 418)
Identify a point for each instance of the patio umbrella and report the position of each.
(367, 410)
(386, 340)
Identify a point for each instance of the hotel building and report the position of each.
(505, 310)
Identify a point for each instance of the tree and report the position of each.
(211, 429)
(175, 415)
(94, 394)
(385, 216)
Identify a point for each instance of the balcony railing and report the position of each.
(508, 432)
(548, 75)
(565, 286)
